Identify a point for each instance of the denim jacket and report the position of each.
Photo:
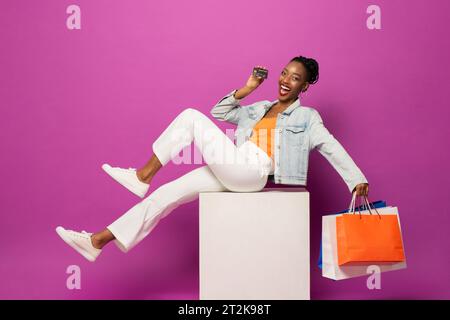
(299, 129)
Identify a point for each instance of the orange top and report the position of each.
(263, 134)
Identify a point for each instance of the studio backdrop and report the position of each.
(87, 82)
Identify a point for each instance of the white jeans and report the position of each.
(229, 168)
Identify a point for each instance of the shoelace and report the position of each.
(77, 234)
(126, 170)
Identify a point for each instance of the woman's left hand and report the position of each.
(362, 189)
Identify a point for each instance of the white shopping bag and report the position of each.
(330, 267)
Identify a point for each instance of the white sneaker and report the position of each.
(128, 178)
(80, 241)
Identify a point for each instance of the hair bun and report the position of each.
(312, 68)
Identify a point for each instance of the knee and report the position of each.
(193, 114)
(191, 111)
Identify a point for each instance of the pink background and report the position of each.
(72, 100)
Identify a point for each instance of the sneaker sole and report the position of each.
(62, 233)
(123, 183)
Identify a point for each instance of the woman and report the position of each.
(245, 167)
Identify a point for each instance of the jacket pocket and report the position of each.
(294, 136)
(295, 129)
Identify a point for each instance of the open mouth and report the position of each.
(284, 90)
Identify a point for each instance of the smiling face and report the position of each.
(294, 77)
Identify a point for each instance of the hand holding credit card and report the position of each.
(259, 74)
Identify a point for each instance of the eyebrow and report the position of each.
(293, 72)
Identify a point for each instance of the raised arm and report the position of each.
(228, 108)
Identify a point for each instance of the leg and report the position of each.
(229, 164)
(229, 168)
(139, 221)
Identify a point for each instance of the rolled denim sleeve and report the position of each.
(227, 109)
(322, 140)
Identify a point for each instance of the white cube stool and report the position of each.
(255, 245)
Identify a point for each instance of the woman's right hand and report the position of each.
(254, 82)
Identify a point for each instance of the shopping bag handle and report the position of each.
(366, 204)
(352, 205)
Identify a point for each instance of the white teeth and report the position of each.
(285, 88)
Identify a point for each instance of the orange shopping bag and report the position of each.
(364, 238)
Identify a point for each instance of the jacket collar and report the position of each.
(288, 110)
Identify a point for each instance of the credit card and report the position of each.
(260, 72)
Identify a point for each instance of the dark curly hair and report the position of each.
(311, 66)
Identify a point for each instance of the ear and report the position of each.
(305, 87)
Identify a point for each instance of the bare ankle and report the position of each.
(143, 177)
(97, 242)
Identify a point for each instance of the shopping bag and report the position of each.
(375, 204)
(330, 266)
(368, 238)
